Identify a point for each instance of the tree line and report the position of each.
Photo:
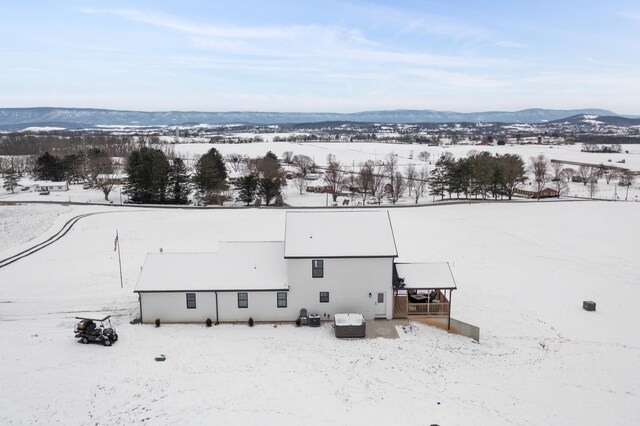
(479, 175)
(153, 178)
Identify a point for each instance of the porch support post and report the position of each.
(449, 320)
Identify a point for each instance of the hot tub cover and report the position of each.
(348, 319)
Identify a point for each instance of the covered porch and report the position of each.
(422, 289)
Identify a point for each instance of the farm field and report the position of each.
(522, 269)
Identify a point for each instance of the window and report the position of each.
(243, 300)
(282, 299)
(324, 297)
(191, 300)
(317, 268)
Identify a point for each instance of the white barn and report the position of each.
(328, 263)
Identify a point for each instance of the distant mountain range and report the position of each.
(17, 118)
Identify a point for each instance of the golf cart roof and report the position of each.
(94, 319)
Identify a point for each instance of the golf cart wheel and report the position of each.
(107, 342)
(115, 337)
(84, 340)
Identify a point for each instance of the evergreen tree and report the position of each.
(483, 167)
(437, 181)
(271, 156)
(269, 188)
(179, 185)
(210, 176)
(48, 167)
(248, 186)
(10, 180)
(147, 171)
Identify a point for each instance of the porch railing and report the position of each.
(428, 308)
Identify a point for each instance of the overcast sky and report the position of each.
(312, 56)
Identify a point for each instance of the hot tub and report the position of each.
(349, 325)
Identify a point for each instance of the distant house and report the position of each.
(44, 186)
(117, 178)
(544, 193)
(234, 176)
(328, 263)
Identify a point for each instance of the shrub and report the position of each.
(208, 322)
(157, 322)
(250, 321)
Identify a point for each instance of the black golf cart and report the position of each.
(87, 331)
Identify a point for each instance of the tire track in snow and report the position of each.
(56, 237)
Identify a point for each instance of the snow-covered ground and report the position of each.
(522, 270)
(352, 154)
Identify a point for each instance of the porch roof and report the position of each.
(422, 276)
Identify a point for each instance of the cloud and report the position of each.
(233, 32)
(510, 44)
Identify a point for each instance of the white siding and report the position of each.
(263, 306)
(349, 282)
(352, 283)
(172, 307)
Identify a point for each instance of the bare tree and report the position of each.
(424, 156)
(608, 174)
(106, 185)
(300, 183)
(396, 188)
(304, 163)
(18, 163)
(626, 179)
(391, 171)
(364, 179)
(569, 173)
(234, 161)
(334, 176)
(540, 170)
(378, 180)
(587, 174)
(592, 187)
(411, 173)
(559, 178)
(98, 163)
(421, 183)
(287, 156)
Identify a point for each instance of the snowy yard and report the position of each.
(523, 270)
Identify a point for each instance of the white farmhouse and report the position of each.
(328, 263)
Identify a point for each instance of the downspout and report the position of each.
(140, 302)
(217, 318)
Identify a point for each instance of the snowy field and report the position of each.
(522, 270)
